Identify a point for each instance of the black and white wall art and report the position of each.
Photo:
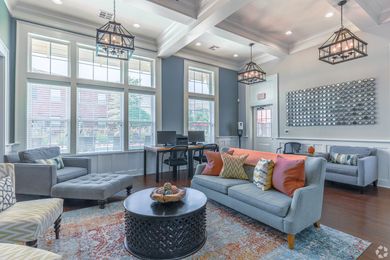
(346, 103)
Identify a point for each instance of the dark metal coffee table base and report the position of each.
(165, 237)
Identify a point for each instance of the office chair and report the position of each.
(177, 157)
(290, 148)
(199, 154)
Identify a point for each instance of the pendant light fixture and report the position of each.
(252, 72)
(343, 45)
(114, 41)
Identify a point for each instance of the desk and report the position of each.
(163, 149)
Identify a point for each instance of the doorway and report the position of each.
(262, 128)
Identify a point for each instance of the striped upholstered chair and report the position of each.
(23, 222)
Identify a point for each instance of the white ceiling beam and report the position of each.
(160, 10)
(177, 36)
(361, 13)
(235, 32)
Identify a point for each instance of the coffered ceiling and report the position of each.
(173, 27)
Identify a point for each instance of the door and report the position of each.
(262, 132)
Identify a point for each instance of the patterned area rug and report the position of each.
(91, 233)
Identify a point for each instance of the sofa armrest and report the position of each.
(200, 168)
(82, 162)
(367, 170)
(305, 209)
(34, 179)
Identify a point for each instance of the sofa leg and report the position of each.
(33, 243)
(102, 203)
(375, 183)
(128, 190)
(317, 224)
(361, 190)
(57, 227)
(291, 241)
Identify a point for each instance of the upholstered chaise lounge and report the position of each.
(25, 221)
(289, 215)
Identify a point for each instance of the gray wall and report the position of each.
(303, 70)
(173, 95)
(228, 109)
(8, 36)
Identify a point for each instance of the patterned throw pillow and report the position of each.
(233, 167)
(7, 193)
(347, 159)
(262, 175)
(52, 161)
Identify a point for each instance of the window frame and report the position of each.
(153, 74)
(198, 96)
(50, 40)
(25, 29)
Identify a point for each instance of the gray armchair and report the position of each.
(361, 175)
(38, 179)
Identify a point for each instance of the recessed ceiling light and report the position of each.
(198, 44)
(136, 25)
(288, 32)
(329, 14)
(57, 2)
(235, 55)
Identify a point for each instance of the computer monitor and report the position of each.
(196, 137)
(166, 137)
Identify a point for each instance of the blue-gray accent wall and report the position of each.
(8, 37)
(173, 97)
(228, 107)
(172, 94)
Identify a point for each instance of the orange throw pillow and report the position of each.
(214, 163)
(288, 175)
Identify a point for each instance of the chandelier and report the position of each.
(114, 41)
(252, 73)
(343, 45)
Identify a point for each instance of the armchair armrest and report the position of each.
(34, 179)
(200, 168)
(367, 170)
(82, 162)
(305, 209)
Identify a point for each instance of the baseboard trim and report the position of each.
(384, 183)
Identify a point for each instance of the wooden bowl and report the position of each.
(157, 195)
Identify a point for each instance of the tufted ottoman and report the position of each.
(93, 187)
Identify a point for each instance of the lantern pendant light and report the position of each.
(252, 72)
(343, 45)
(114, 41)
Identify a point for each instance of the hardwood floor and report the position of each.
(363, 215)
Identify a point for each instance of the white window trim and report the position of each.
(23, 76)
(5, 98)
(215, 70)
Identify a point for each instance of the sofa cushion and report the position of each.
(233, 167)
(288, 175)
(347, 159)
(30, 156)
(217, 183)
(7, 193)
(362, 151)
(271, 201)
(57, 161)
(262, 175)
(350, 170)
(214, 163)
(69, 173)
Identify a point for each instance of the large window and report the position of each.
(48, 116)
(140, 72)
(49, 57)
(141, 120)
(99, 120)
(201, 117)
(200, 99)
(93, 67)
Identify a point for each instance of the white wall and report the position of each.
(303, 70)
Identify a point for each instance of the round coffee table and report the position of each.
(165, 231)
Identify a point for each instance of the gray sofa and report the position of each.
(289, 215)
(38, 179)
(362, 175)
